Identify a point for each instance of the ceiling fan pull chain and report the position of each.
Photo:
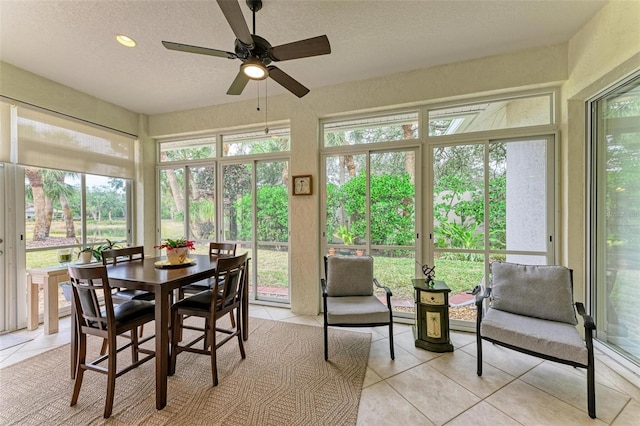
(258, 87)
(266, 122)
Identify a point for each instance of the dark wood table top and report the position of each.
(147, 275)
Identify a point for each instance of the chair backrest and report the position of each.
(540, 291)
(230, 276)
(86, 284)
(218, 249)
(126, 254)
(349, 275)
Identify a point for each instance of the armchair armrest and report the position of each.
(589, 324)
(481, 296)
(386, 289)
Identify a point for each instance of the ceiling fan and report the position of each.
(256, 53)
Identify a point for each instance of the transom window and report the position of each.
(534, 110)
(190, 149)
(257, 142)
(382, 128)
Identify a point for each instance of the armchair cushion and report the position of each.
(538, 291)
(349, 276)
(356, 310)
(556, 339)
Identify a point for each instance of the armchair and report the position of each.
(530, 309)
(348, 299)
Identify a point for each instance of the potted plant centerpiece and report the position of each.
(177, 250)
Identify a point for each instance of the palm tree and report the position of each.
(34, 175)
(56, 188)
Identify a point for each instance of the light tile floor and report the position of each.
(426, 388)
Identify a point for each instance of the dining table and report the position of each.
(155, 275)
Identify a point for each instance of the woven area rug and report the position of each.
(283, 381)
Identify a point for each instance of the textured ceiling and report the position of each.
(73, 42)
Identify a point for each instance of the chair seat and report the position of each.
(356, 310)
(196, 287)
(128, 294)
(556, 339)
(132, 310)
(198, 302)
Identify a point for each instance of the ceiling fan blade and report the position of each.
(288, 82)
(301, 49)
(197, 49)
(238, 84)
(235, 18)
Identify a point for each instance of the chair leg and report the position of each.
(141, 330)
(479, 354)
(239, 330)
(393, 354)
(233, 321)
(326, 342)
(176, 330)
(103, 349)
(111, 376)
(205, 341)
(134, 345)
(591, 387)
(81, 359)
(214, 363)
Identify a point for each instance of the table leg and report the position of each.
(51, 306)
(162, 345)
(32, 304)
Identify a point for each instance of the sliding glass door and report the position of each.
(370, 205)
(492, 200)
(256, 217)
(3, 276)
(615, 218)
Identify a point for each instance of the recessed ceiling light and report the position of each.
(126, 41)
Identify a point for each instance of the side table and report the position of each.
(49, 278)
(431, 331)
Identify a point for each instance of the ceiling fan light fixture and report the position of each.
(254, 70)
(125, 40)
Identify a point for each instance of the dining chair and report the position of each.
(88, 285)
(215, 249)
(126, 254)
(212, 305)
(348, 298)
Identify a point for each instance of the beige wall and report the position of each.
(601, 52)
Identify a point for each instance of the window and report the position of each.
(509, 113)
(370, 197)
(615, 217)
(492, 200)
(260, 142)
(191, 149)
(67, 211)
(366, 130)
(486, 199)
(77, 179)
(232, 199)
